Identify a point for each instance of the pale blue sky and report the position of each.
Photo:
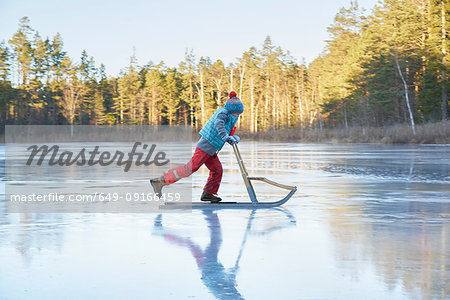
(162, 30)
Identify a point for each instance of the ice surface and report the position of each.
(368, 222)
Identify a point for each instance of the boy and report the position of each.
(214, 135)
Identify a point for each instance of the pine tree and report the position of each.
(70, 104)
(187, 69)
(55, 84)
(171, 102)
(203, 66)
(6, 89)
(128, 90)
(251, 60)
(22, 51)
(153, 91)
(92, 102)
(218, 77)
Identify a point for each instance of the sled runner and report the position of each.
(238, 205)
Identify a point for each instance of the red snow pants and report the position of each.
(199, 158)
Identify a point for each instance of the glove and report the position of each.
(230, 140)
(236, 138)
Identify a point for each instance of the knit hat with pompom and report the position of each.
(234, 104)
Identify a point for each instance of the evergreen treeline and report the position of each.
(385, 68)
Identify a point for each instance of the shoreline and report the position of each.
(429, 133)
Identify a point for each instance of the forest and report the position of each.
(378, 69)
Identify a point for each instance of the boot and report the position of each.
(157, 184)
(210, 197)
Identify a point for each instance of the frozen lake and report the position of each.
(368, 222)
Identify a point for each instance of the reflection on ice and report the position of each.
(406, 243)
(220, 281)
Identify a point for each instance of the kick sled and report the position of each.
(254, 204)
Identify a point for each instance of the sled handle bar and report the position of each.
(283, 186)
(247, 179)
